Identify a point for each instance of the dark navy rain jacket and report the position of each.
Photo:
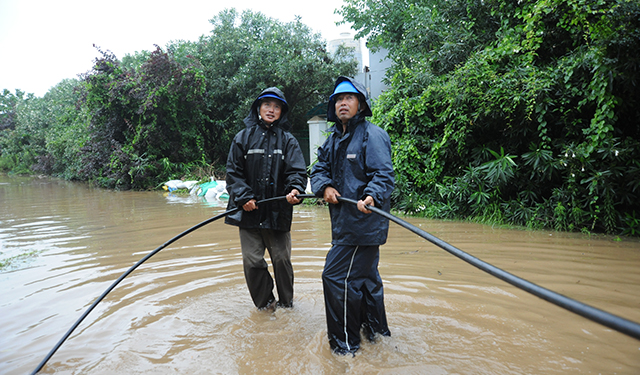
(356, 163)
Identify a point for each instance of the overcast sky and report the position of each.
(43, 42)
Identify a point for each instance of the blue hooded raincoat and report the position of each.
(356, 163)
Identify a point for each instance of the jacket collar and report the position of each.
(353, 123)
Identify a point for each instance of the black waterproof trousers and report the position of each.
(353, 296)
(256, 273)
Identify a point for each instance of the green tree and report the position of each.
(66, 133)
(46, 133)
(146, 120)
(8, 103)
(10, 138)
(512, 112)
(249, 52)
(160, 115)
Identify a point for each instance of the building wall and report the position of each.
(379, 65)
(347, 40)
(317, 135)
(370, 76)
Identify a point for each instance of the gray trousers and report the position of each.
(259, 281)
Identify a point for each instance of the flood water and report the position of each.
(187, 309)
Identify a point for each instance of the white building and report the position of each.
(370, 76)
(379, 63)
(347, 40)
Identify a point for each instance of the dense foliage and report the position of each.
(247, 53)
(145, 123)
(165, 114)
(42, 135)
(522, 112)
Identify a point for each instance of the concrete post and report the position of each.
(317, 129)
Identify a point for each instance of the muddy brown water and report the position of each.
(187, 309)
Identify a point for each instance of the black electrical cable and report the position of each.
(617, 323)
(609, 320)
(154, 252)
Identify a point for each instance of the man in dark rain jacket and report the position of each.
(266, 161)
(354, 162)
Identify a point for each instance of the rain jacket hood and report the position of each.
(365, 105)
(253, 118)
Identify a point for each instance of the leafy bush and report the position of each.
(522, 113)
(167, 114)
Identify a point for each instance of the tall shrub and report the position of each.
(518, 113)
(146, 123)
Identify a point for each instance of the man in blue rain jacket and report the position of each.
(266, 161)
(354, 162)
